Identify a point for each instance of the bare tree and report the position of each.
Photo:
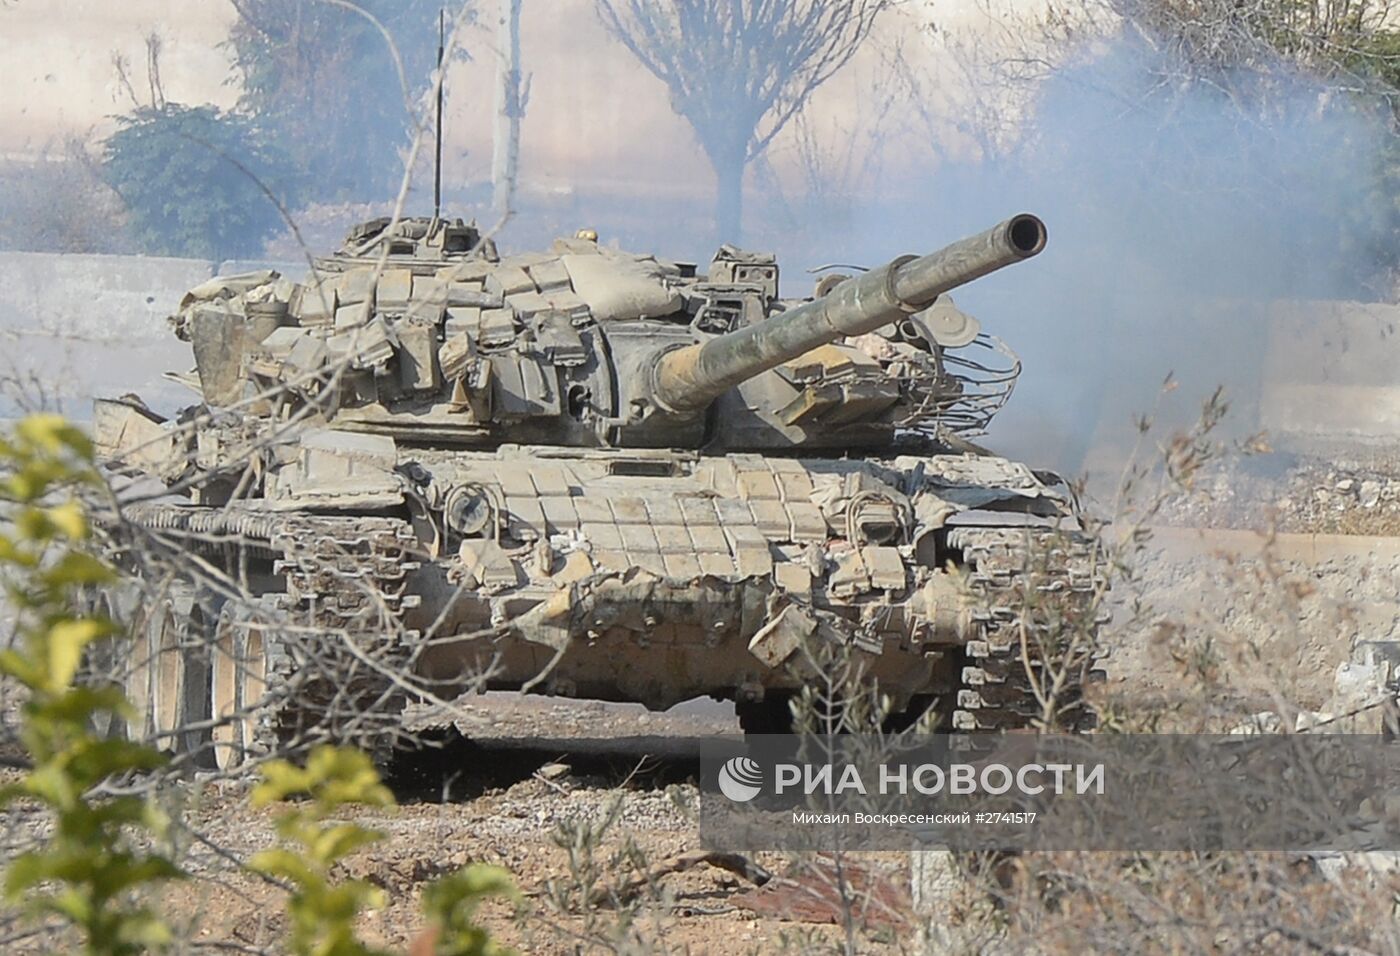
(739, 70)
(320, 74)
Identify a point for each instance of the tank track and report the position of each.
(333, 642)
(333, 674)
(1043, 580)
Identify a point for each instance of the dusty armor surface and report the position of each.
(428, 468)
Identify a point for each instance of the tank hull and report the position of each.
(649, 577)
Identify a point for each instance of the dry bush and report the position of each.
(1171, 902)
(1178, 902)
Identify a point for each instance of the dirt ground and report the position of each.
(1288, 561)
(532, 767)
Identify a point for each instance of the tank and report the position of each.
(428, 469)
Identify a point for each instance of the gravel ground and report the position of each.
(504, 798)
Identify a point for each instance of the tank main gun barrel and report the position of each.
(687, 379)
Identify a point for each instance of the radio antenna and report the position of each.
(437, 164)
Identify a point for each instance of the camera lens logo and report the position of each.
(740, 779)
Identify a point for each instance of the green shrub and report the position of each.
(451, 903)
(323, 912)
(89, 867)
(196, 181)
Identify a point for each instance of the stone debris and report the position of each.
(811, 892)
(1294, 494)
(1365, 697)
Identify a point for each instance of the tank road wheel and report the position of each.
(238, 675)
(163, 639)
(177, 638)
(159, 667)
(138, 678)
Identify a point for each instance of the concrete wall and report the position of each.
(77, 326)
(98, 297)
(1332, 371)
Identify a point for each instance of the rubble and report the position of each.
(1292, 493)
(1365, 697)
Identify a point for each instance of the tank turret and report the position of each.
(419, 331)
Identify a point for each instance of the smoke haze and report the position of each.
(1176, 214)
(1178, 207)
